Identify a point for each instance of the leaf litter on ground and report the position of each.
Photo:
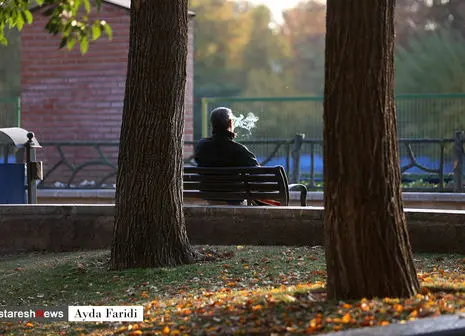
(232, 290)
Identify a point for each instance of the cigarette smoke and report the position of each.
(246, 123)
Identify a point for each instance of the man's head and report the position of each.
(222, 120)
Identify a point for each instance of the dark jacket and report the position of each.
(220, 150)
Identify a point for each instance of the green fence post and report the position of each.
(18, 111)
(312, 165)
(204, 103)
(458, 169)
(298, 140)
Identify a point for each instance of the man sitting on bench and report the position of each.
(220, 150)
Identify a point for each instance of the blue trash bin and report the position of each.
(13, 183)
(13, 168)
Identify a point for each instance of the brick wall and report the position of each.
(70, 97)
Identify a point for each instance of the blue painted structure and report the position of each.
(13, 183)
(305, 161)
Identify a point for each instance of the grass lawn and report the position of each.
(242, 290)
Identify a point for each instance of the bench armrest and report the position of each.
(303, 192)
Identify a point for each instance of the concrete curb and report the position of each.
(447, 325)
(70, 227)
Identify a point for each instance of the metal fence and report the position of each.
(10, 112)
(93, 165)
(431, 149)
(419, 116)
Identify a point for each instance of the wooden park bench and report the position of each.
(240, 183)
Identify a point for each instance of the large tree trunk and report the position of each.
(368, 252)
(149, 222)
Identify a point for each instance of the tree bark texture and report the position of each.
(149, 226)
(368, 253)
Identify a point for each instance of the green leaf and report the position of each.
(63, 42)
(3, 40)
(28, 15)
(20, 22)
(87, 5)
(96, 31)
(71, 43)
(98, 3)
(11, 20)
(108, 30)
(68, 29)
(84, 45)
(40, 2)
(12, 17)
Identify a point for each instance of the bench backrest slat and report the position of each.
(231, 170)
(205, 186)
(234, 195)
(231, 178)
